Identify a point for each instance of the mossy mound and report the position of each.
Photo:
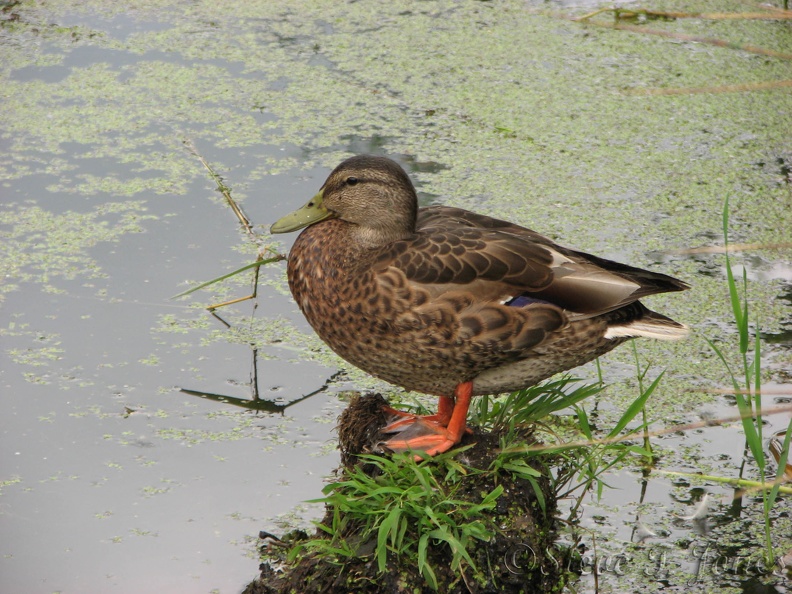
(476, 488)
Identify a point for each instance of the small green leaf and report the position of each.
(255, 264)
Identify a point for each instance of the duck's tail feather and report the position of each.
(649, 324)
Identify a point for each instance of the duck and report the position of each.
(453, 303)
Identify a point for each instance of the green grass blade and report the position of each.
(739, 311)
(492, 496)
(751, 433)
(457, 548)
(722, 357)
(635, 407)
(229, 275)
(757, 369)
(387, 528)
(583, 422)
(423, 544)
(429, 575)
(540, 498)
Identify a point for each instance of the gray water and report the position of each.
(130, 457)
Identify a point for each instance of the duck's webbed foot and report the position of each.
(445, 408)
(432, 434)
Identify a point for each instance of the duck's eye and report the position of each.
(351, 181)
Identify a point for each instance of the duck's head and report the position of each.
(373, 194)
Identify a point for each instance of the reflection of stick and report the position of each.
(695, 38)
(775, 14)
(732, 247)
(742, 88)
(621, 14)
(258, 403)
(709, 40)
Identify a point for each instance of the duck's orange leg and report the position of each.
(445, 407)
(434, 438)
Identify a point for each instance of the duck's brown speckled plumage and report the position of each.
(425, 299)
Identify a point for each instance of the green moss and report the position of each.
(40, 246)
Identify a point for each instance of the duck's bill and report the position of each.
(313, 212)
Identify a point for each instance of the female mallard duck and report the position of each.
(452, 303)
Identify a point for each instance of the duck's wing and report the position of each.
(498, 261)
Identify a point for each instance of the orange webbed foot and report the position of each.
(433, 434)
(424, 437)
(445, 407)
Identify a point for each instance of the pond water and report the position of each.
(130, 457)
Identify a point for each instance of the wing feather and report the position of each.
(498, 260)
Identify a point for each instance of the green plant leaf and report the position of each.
(636, 407)
(387, 528)
(423, 545)
(493, 495)
(255, 264)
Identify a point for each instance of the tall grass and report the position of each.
(747, 384)
(587, 464)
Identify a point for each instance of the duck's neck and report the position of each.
(329, 245)
(373, 238)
